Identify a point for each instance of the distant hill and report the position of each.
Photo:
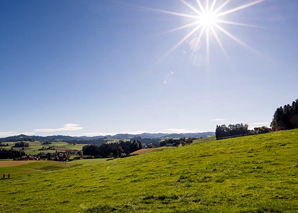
(117, 136)
(162, 135)
(37, 138)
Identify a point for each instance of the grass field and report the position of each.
(144, 151)
(34, 146)
(9, 163)
(248, 174)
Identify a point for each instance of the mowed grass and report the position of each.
(248, 174)
(34, 146)
(10, 163)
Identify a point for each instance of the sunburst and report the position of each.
(208, 19)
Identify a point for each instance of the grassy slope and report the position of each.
(248, 174)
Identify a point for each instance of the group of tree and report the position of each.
(21, 144)
(11, 154)
(47, 148)
(176, 142)
(260, 130)
(97, 141)
(285, 117)
(129, 147)
(46, 143)
(61, 156)
(150, 142)
(112, 149)
(223, 131)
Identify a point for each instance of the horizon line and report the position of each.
(111, 134)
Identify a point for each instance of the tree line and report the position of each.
(11, 154)
(112, 149)
(21, 144)
(176, 142)
(97, 141)
(285, 117)
(223, 131)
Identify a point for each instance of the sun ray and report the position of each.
(235, 38)
(197, 43)
(183, 40)
(240, 8)
(237, 23)
(219, 42)
(201, 6)
(191, 7)
(170, 12)
(207, 5)
(213, 5)
(182, 27)
(200, 36)
(222, 6)
(208, 16)
(207, 45)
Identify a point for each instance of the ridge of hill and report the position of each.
(117, 136)
(246, 174)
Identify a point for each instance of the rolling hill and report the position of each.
(247, 174)
(117, 136)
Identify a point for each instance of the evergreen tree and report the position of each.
(285, 117)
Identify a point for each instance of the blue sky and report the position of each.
(94, 67)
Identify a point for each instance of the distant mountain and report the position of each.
(177, 135)
(41, 138)
(159, 135)
(101, 138)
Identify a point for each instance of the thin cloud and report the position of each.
(167, 131)
(26, 133)
(66, 127)
(260, 123)
(91, 134)
(168, 76)
(179, 131)
(76, 127)
(7, 134)
(217, 119)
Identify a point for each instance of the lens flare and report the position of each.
(208, 18)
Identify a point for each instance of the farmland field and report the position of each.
(34, 146)
(10, 163)
(247, 174)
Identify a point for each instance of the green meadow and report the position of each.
(244, 175)
(34, 146)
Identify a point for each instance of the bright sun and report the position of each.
(208, 18)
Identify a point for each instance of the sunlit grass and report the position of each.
(247, 174)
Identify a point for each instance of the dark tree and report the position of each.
(112, 149)
(21, 144)
(232, 130)
(285, 117)
(10, 154)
